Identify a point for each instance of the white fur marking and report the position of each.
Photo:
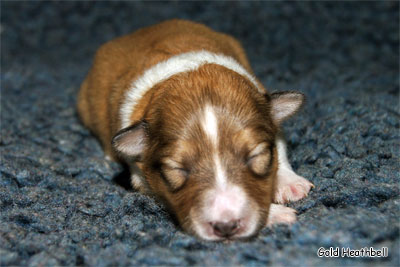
(210, 127)
(282, 155)
(220, 174)
(177, 64)
(290, 186)
(137, 177)
(227, 204)
(280, 214)
(210, 124)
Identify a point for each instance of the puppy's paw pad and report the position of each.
(279, 214)
(291, 187)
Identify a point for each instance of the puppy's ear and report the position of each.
(131, 141)
(285, 104)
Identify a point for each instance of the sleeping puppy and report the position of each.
(178, 103)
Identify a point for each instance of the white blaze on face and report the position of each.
(226, 204)
(220, 174)
(210, 127)
(225, 201)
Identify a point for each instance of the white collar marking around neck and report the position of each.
(165, 69)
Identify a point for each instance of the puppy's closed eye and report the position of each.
(175, 174)
(259, 159)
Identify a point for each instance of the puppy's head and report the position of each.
(207, 149)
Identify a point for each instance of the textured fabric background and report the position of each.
(62, 203)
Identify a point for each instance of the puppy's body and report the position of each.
(119, 62)
(195, 127)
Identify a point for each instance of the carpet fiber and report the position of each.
(62, 203)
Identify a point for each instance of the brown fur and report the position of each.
(118, 62)
(171, 111)
(174, 134)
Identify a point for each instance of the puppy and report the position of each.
(178, 103)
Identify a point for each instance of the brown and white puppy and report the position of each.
(178, 103)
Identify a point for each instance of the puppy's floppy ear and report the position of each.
(285, 104)
(131, 141)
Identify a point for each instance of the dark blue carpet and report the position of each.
(62, 203)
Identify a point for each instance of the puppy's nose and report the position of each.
(226, 229)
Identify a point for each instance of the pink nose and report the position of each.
(226, 229)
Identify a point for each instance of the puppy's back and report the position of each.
(119, 62)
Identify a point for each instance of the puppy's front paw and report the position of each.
(290, 186)
(280, 214)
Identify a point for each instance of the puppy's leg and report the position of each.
(280, 214)
(290, 186)
(137, 179)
